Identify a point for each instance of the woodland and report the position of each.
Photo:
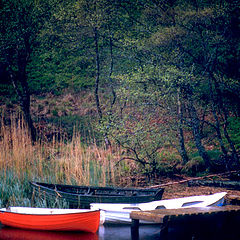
(156, 81)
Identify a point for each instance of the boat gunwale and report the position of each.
(196, 200)
(38, 185)
(51, 214)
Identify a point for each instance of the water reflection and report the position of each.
(109, 232)
(8, 233)
(123, 232)
(204, 231)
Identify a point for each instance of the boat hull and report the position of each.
(120, 213)
(83, 196)
(79, 221)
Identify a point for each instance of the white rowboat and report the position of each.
(120, 213)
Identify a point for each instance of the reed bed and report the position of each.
(55, 161)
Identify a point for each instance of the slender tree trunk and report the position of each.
(108, 143)
(24, 97)
(235, 157)
(217, 124)
(97, 74)
(97, 81)
(195, 124)
(110, 72)
(182, 149)
(26, 109)
(220, 140)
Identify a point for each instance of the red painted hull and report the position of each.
(82, 221)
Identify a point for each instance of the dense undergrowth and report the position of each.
(73, 161)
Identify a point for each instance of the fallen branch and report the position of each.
(190, 179)
(234, 185)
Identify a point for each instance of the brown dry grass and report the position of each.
(59, 161)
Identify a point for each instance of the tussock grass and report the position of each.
(55, 161)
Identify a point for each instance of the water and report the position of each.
(114, 232)
(104, 233)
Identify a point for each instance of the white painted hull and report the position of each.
(120, 213)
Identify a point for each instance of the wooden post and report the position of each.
(135, 229)
(164, 229)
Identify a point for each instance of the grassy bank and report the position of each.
(55, 161)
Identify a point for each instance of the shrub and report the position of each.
(194, 166)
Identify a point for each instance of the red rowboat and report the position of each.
(51, 219)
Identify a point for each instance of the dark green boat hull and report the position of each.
(83, 196)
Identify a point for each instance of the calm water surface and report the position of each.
(146, 232)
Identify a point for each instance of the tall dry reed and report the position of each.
(55, 161)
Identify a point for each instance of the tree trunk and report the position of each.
(217, 124)
(23, 96)
(182, 149)
(97, 73)
(195, 124)
(235, 158)
(27, 115)
(95, 31)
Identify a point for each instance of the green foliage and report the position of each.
(69, 125)
(168, 164)
(54, 70)
(214, 155)
(165, 58)
(234, 129)
(141, 128)
(194, 166)
(20, 23)
(7, 91)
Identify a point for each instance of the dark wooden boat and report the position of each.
(82, 196)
